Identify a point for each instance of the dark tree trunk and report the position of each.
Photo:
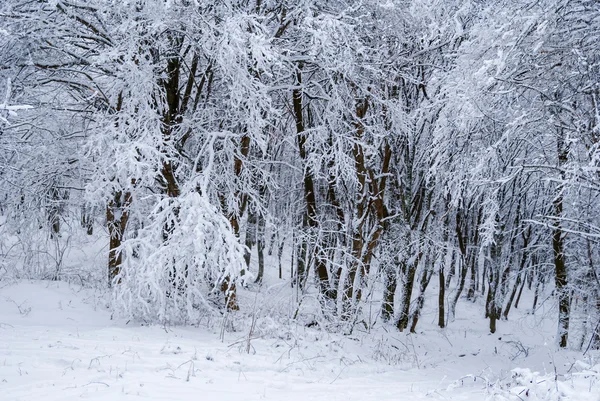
(473, 278)
(387, 307)
(260, 245)
(407, 294)
(493, 310)
(512, 296)
(87, 220)
(452, 269)
(280, 255)
(427, 273)
(558, 247)
(520, 272)
(536, 291)
(441, 299)
(561, 280)
(490, 305)
(462, 245)
(520, 292)
(311, 220)
(117, 216)
(473, 259)
(441, 276)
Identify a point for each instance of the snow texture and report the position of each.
(60, 343)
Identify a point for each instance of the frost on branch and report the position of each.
(10, 110)
(174, 268)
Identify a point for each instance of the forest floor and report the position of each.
(58, 342)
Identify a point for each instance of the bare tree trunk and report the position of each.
(595, 335)
(462, 245)
(442, 268)
(228, 286)
(407, 294)
(441, 299)
(87, 220)
(536, 291)
(425, 278)
(461, 285)
(473, 256)
(260, 245)
(280, 254)
(452, 269)
(389, 290)
(485, 272)
(519, 276)
(250, 239)
(117, 216)
(490, 306)
(311, 220)
(520, 292)
(473, 279)
(561, 279)
(493, 310)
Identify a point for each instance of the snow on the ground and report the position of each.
(58, 342)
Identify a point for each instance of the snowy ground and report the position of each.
(58, 342)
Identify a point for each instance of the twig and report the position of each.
(594, 334)
(97, 383)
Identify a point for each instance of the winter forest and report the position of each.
(374, 168)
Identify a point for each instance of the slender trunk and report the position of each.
(473, 278)
(595, 335)
(520, 292)
(441, 298)
(441, 278)
(301, 259)
(490, 305)
(561, 286)
(117, 216)
(387, 307)
(280, 255)
(561, 280)
(425, 278)
(272, 243)
(260, 245)
(485, 272)
(228, 286)
(250, 239)
(407, 294)
(87, 220)
(518, 280)
(353, 283)
(452, 269)
(294, 257)
(461, 285)
(536, 291)
(462, 245)
(473, 260)
(512, 296)
(311, 220)
(493, 310)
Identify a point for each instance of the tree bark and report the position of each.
(387, 306)
(441, 299)
(407, 294)
(117, 216)
(260, 246)
(251, 236)
(425, 278)
(311, 220)
(561, 278)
